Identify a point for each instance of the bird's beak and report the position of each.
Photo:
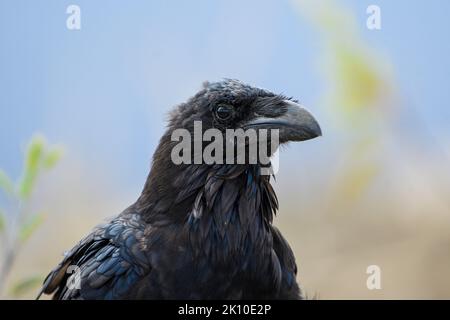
(296, 124)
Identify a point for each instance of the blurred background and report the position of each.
(374, 190)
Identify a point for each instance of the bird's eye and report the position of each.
(223, 112)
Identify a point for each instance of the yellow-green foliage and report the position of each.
(19, 225)
(357, 87)
(39, 156)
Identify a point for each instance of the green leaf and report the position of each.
(32, 165)
(23, 286)
(6, 183)
(2, 220)
(31, 226)
(52, 157)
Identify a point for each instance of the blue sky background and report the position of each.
(104, 91)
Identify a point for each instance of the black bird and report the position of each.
(198, 231)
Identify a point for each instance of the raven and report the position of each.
(197, 231)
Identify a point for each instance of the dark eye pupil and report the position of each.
(223, 113)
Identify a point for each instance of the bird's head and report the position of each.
(231, 104)
(220, 106)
